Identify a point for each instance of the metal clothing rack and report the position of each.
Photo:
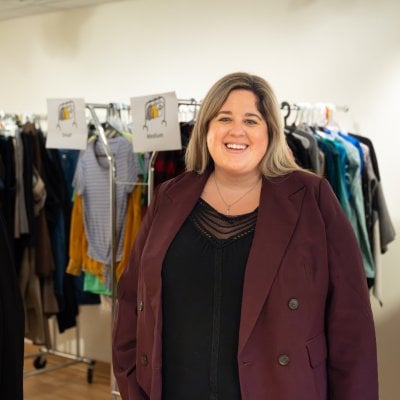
(113, 182)
(40, 357)
(326, 110)
(113, 231)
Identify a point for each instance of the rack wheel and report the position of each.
(90, 370)
(40, 362)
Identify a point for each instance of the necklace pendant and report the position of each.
(227, 211)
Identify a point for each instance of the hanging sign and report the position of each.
(66, 124)
(155, 123)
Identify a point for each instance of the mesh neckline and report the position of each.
(220, 228)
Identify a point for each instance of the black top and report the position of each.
(202, 282)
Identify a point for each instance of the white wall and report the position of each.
(343, 51)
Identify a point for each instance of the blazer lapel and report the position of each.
(279, 210)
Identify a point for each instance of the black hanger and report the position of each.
(286, 106)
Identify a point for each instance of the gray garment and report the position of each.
(91, 181)
(321, 163)
(386, 230)
(383, 232)
(21, 225)
(31, 296)
(313, 149)
(379, 208)
(39, 299)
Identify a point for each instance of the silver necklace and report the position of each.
(228, 206)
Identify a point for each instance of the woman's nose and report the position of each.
(237, 128)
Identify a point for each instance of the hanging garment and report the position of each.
(11, 323)
(78, 251)
(313, 150)
(344, 159)
(386, 230)
(357, 211)
(169, 164)
(79, 259)
(92, 182)
(9, 183)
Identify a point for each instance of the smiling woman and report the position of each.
(242, 90)
(220, 272)
(237, 137)
(237, 140)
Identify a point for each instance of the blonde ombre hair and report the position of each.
(277, 160)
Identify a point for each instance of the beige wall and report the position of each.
(343, 51)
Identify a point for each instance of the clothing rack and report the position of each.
(113, 182)
(40, 357)
(112, 187)
(312, 111)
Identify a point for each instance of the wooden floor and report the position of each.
(66, 383)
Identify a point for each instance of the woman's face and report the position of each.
(237, 137)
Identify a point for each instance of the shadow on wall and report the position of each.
(388, 334)
(387, 321)
(63, 32)
(328, 3)
(340, 7)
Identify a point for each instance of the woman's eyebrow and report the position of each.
(246, 115)
(253, 115)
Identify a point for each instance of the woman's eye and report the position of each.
(250, 122)
(224, 119)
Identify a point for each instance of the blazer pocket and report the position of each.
(317, 351)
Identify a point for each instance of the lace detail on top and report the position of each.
(220, 228)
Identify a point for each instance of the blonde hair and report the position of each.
(277, 160)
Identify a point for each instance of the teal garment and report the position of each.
(356, 143)
(339, 165)
(356, 201)
(91, 283)
(329, 169)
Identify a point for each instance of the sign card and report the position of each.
(66, 124)
(155, 123)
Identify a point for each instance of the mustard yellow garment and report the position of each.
(78, 244)
(133, 220)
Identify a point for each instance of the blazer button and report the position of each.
(144, 360)
(293, 304)
(140, 305)
(283, 359)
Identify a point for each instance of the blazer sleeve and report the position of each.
(125, 317)
(352, 358)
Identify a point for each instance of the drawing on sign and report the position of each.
(153, 109)
(66, 112)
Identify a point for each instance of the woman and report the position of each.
(246, 281)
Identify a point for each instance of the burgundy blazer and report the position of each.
(306, 330)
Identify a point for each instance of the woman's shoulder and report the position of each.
(300, 177)
(181, 181)
(317, 186)
(307, 178)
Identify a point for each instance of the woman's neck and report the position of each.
(236, 181)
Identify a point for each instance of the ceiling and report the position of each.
(10, 9)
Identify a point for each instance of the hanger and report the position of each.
(286, 106)
(194, 113)
(114, 124)
(8, 124)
